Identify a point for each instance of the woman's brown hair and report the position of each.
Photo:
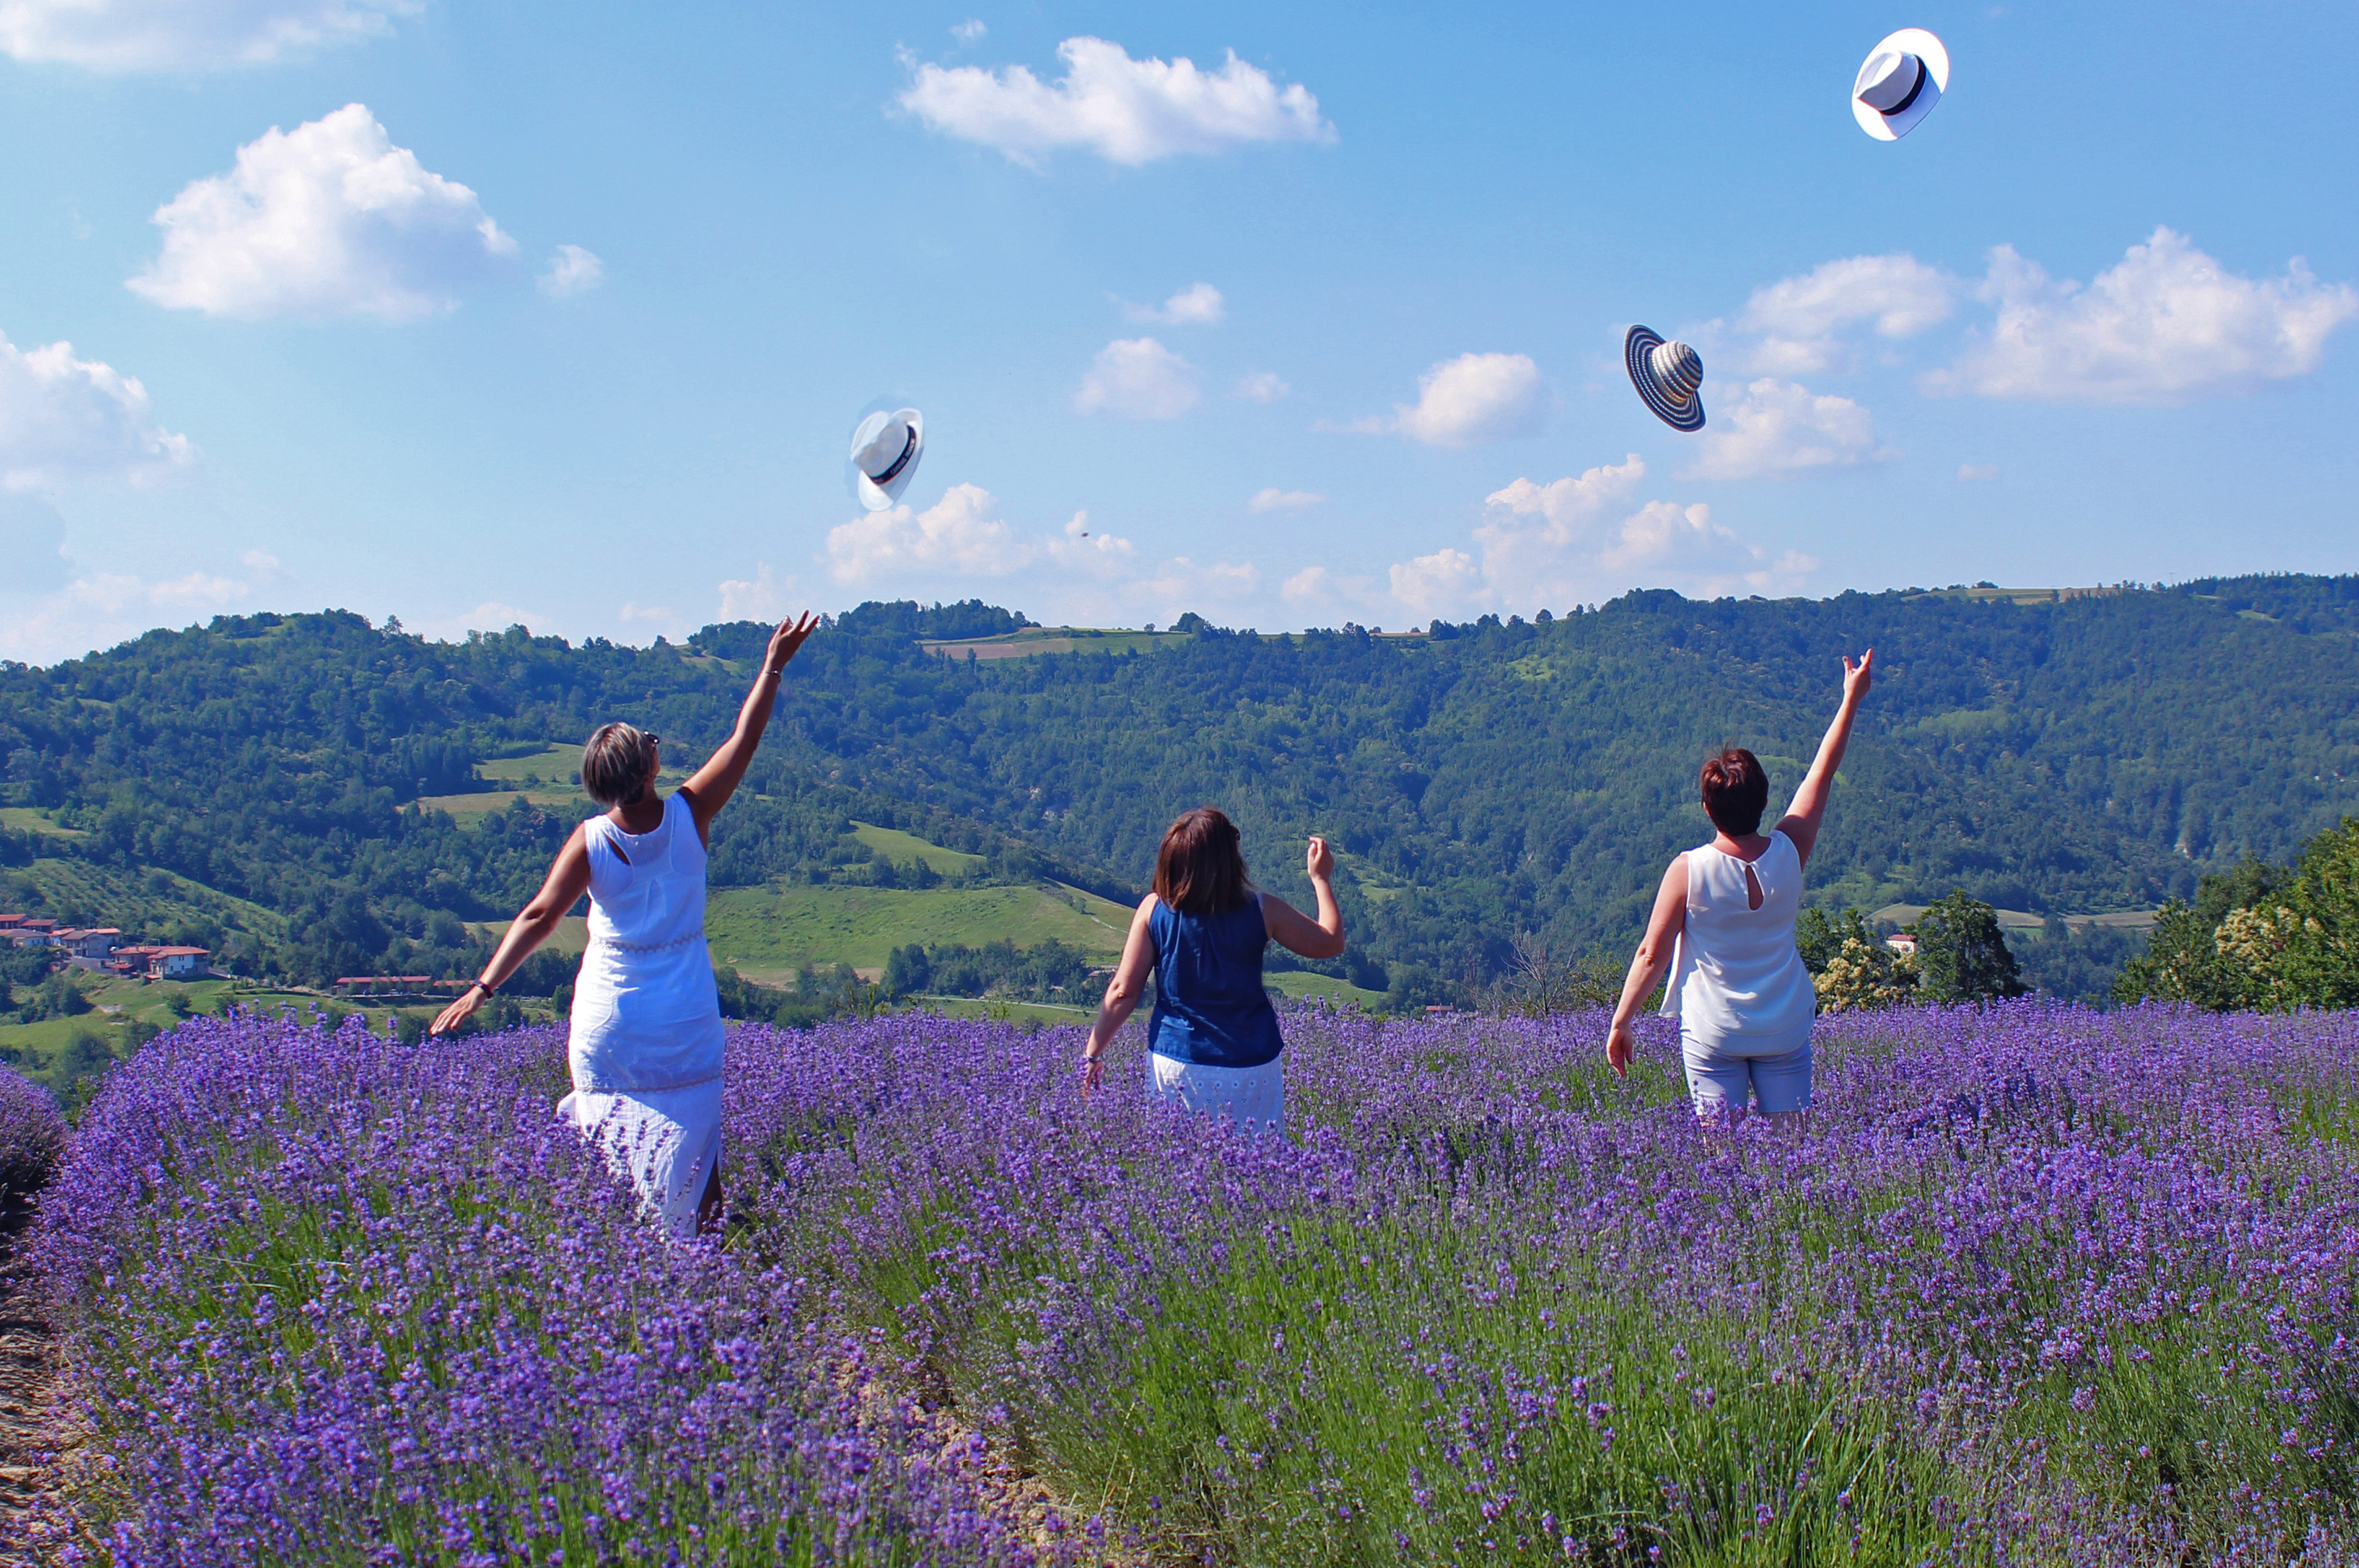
(617, 765)
(1200, 869)
(1736, 792)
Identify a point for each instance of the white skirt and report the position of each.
(1252, 1097)
(667, 1140)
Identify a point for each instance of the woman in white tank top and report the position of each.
(1723, 929)
(646, 1042)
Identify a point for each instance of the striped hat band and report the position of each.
(1677, 371)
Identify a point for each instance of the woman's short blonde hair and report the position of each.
(618, 763)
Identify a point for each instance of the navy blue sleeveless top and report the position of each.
(1210, 1008)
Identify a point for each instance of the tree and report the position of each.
(1962, 955)
(1851, 968)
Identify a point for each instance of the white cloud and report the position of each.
(2164, 325)
(572, 272)
(1261, 386)
(759, 598)
(101, 609)
(1474, 397)
(961, 533)
(969, 31)
(1778, 430)
(1198, 305)
(328, 219)
(175, 35)
(1275, 500)
(1309, 586)
(1578, 539)
(633, 610)
(63, 418)
(1795, 320)
(1137, 379)
(1969, 472)
(1126, 111)
(1179, 585)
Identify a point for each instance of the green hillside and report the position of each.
(386, 798)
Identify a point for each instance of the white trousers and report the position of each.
(667, 1141)
(1252, 1097)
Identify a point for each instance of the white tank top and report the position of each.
(1736, 973)
(645, 1015)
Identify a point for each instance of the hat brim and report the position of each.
(1925, 47)
(1637, 346)
(885, 496)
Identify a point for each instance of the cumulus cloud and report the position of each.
(1579, 538)
(1261, 386)
(970, 31)
(572, 272)
(1198, 305)
(761, 597)
(329, 219)
(1137, 379)
(99, 609)
(63, 418)
(2166, 325)
(187, 34)
(1473, 398)
(1126, 111)
(1275, 500)
(1796, 322)
(1778, 430)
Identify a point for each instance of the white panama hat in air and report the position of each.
(885, 452)
(1905, 76)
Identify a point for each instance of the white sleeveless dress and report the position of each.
(1738, 984)
(646, 1037)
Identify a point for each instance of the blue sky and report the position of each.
(474, 313)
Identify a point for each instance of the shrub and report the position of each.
(32, 1137)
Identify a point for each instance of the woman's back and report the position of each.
(1738, 971)
(646, 1013)
(1209, 1007)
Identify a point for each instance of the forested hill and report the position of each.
(2100, 752)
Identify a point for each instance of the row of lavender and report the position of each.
(2034, 1285)
(329, 1300)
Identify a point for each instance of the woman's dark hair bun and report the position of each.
(1736, 792)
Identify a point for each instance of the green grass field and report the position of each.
(765, 933)
(1300, 985)
(32, 820)
(901, 848)
(544, 777)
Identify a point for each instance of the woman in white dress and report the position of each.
(645, 1041)
(1723, 928)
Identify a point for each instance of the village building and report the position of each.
(180, 963)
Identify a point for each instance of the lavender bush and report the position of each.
(2034, 1285)
(32, 1137)
(331, 1299)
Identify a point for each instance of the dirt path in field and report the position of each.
(30, 1497)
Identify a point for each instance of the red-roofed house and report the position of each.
(180, 963)
(96, 942)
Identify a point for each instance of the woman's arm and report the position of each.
(718, 779)
(1809, 808)
(1122, 993)
(568, 879)
(1648, 964)
(1289, 927)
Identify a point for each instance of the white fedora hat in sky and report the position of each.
(1668, 376)
(1905, 76)
(885, 452)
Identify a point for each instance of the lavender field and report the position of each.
(2035, 1286)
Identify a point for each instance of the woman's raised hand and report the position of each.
(787, 640)
(1857, 677)
(1320, 860)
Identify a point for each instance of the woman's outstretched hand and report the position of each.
(787, 640)
(1318, 860)
(1621, 1046)
(458, 1012)
(1857, 677)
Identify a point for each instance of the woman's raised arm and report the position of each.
(718, 780)
(1289, 927)
(1808, 811)
(568, 879)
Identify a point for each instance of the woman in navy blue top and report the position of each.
(1213, 1044)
